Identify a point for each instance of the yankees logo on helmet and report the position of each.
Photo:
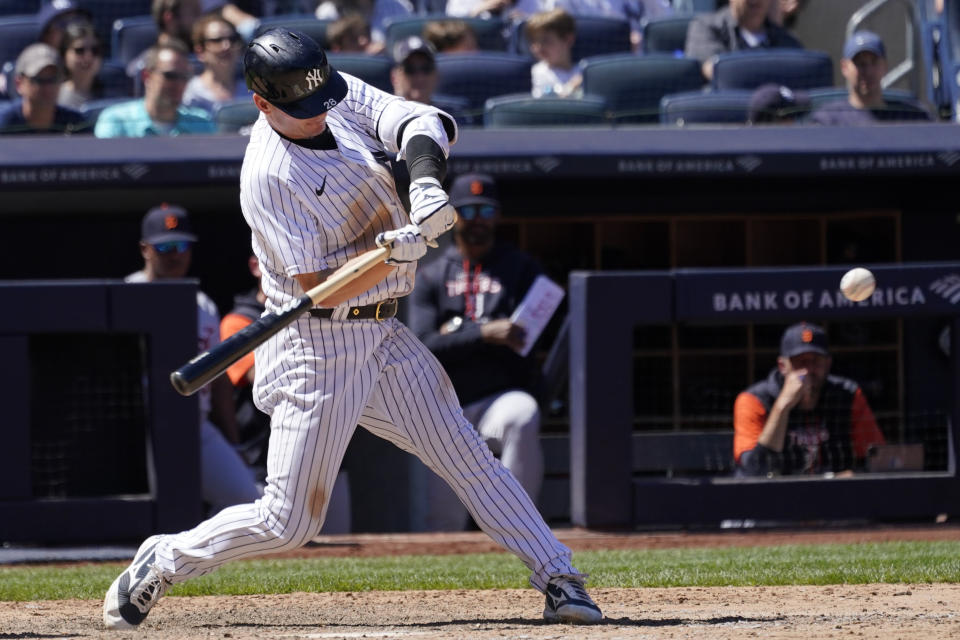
(314, 79)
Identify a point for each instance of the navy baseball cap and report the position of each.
(166, 223)
(774, 102)
(53, 9)
(864, 41)
(803, 337)
(474, 188)
(408, 46)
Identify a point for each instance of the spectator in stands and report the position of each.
(460, 308)
(377, 12)
(864, 64)
(742, 25)
(55, 16)
(632, 11)
(253, 426)
(218, 46)
(174, 20)
(551, 35)
(243, 18)
(38, 73)
(160, 111)
(414, 73)
(801, 419)
(166, 245)
(83, 58)
(450, 36)
(349, 34)
(785, 12)
(776, 104)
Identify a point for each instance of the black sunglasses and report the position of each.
(45, 82)
(174, 75)
(416, 69)
(471, 211)
(83, 50)
(174, 246)
(223, 40)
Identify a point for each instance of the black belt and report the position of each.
(378, 311)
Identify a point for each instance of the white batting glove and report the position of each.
(430, 208)
(407, 244)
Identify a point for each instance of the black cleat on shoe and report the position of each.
(568, 601)
(135, 591)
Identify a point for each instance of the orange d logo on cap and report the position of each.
(170, 222)
(807, 335)
(476, 187)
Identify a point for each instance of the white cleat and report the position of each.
(135, 591)
(568, 601)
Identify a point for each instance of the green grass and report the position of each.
(892, 562)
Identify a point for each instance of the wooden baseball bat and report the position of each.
(210, 364)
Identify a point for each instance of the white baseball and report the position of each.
(857, 284)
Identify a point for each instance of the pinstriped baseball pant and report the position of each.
(318, 379)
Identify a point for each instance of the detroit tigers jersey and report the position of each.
(315, 209)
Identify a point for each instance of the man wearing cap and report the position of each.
(166, 245)
(38, 74)
(801, 419)
(414, 73)
(864, 64)
(160, 112)
(776, 104)
(460, 308)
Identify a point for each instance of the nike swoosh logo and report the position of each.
(323, 186)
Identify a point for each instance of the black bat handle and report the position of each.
(210, 364)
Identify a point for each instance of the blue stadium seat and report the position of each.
(373, 70)
(695, 6)
(699, 107)
(490, 32)
(104, 14)
(665, 35)
(116, 83)
(523, 110)
(18, 7)
(829, 94)
(313, 27)
(131, 36)
(795, 68)
(91, 110)
(16, 32)
(596, 36)
(633, 85)
(475, 77)
(234, 115)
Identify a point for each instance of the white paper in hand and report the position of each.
(536, 309)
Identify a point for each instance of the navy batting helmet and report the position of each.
(290, 70)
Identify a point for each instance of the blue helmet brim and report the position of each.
(320, 101)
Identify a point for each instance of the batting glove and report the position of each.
(407, 244)
(430, 208)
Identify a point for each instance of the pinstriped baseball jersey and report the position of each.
(311, 210)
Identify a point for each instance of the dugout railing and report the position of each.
(97, 446)
(606, 453)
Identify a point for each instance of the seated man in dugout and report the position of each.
(801, 419)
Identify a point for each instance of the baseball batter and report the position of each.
(316, 192)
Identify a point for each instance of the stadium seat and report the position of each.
(116, 83)
(373, 70)
(131, 36)
(699, 107)
(633, 85)
(105, 14)
(91, 110)
(596, 36)
(313, 27)
(234, 115)
(490, 32)
(16, 32)
(695, 6)
(795, 68)
(523, 110)
(18, 7)
(475, 77)
(823, 95)
(665, 35)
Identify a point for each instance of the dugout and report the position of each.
(597, 199)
